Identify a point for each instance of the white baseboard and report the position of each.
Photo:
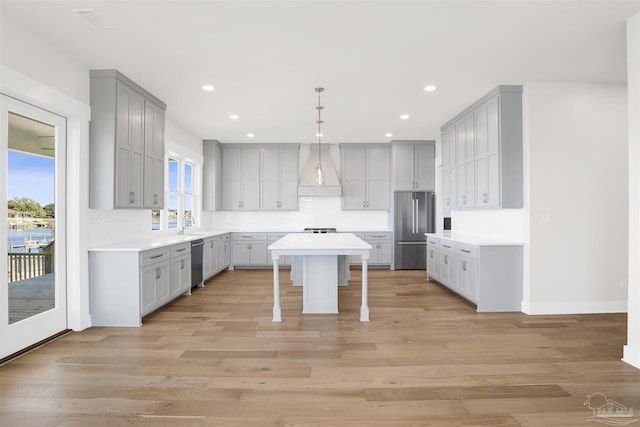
(631, 356)
(583, 307)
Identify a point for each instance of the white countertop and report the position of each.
(319, 244)
(158, 242)
(474, 240)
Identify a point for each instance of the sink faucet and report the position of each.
(187, 222)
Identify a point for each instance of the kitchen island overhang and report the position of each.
(319, 253)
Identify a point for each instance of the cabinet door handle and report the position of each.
(155, 199)
(465, 251)
(181, 250)
(464, 265)
(485, 199)
(156, 256)
(181, 264)
(158, 273)
(448, 247)
(464, 200)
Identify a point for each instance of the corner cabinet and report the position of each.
(365, 176)
(126, 144)
(482, 153)
(413, 165)
(125, 284)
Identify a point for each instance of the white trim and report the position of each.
(583, 307)
(631, 355)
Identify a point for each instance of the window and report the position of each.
(180, 195)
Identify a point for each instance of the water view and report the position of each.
(28, 240)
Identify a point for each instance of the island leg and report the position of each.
(364, 309)
(277, 315)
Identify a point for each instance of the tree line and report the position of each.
(31, 207)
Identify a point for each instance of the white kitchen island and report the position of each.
(319, 254)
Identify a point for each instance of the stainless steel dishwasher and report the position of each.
(197, 262)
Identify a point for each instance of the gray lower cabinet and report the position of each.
(381, 248)
(488, 275)
(249, 250)
(126, 285)
(180, 281)
(126, 153)
(216, 255)
(155, 279)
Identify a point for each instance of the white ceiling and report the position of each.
(373, 57)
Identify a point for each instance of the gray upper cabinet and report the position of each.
(482, 153)
(414, 165)
(126, 144)
(365, 176)
(211, 176)
(240, 178)
(279, 178)
(153, 156)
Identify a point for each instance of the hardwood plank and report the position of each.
(426, 358)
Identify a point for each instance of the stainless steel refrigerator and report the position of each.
(413, 214)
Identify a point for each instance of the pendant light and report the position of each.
(319, 171)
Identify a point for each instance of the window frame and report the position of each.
(180, 194)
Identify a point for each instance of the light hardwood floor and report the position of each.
(426, 358)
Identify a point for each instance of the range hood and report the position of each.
(308, 187)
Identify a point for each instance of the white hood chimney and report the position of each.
(308, 185)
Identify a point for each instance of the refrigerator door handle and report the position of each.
(415, 216)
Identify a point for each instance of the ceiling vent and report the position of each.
(93, 18)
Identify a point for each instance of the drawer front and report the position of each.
(241, 237)
(433, 242)
(466, 250)
(378, 235)
(448, 246)
(180, 249)
(155, 255)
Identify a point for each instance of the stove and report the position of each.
(319, 230)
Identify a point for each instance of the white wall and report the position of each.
(575, 152)
(632, 349)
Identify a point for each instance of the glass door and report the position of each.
(33, 299)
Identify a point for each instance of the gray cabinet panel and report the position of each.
(365, 176)
(127, 135)
(487, 155)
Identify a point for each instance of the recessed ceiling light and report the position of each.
(251, 135)
(430, 88)
(319, 134)
(404, 117)
(234, 117)
(388, 135)
(208, 88)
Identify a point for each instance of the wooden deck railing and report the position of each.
(23, 266)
